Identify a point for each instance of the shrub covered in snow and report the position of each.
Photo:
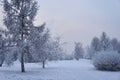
(107, 61)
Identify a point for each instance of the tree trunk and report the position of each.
(43, 66)
(1, 65)
(2, 60)
(22, 63)
(22, 55)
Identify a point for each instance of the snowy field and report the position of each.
(61, 70)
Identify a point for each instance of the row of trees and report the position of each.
(104, 43)
(22, 39)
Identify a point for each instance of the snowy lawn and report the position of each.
(61, 70)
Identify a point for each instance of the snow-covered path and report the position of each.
(61, 70)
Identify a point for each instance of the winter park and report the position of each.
(59, 40)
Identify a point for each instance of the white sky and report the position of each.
(80, 20)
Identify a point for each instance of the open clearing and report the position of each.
(58, 70)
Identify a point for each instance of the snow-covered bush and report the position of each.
(107, 61)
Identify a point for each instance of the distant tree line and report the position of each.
(104, 43)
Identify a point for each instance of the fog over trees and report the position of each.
(22, 41)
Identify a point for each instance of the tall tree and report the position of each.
(19, 17)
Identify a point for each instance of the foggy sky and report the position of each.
(80, 20)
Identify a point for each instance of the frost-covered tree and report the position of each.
(4, 44)
(95, 47)
(99, 44)
(38, 39)
(55, 49)
(78, 52)
(19, 17)
(104, 42)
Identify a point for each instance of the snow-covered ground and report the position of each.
(60, 70)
